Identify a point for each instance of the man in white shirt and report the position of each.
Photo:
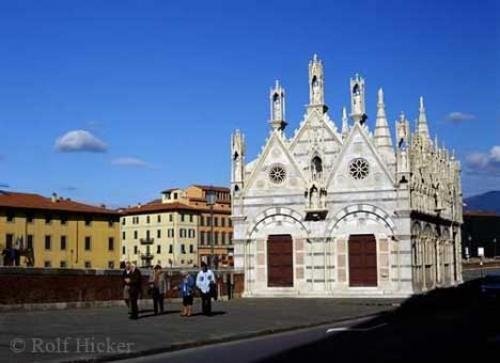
(204, 280)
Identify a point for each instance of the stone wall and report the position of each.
(20, 286)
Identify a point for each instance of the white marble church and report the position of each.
(345, 212)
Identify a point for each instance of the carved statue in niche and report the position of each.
(276, 107)
(402, 133)
(315, 91)
(313, 197)
(316, 168)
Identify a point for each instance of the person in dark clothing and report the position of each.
(135, 284)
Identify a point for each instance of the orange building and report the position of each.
(220, 230)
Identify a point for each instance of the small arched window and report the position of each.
(355, 89)
(317, 164)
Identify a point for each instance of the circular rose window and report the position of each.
(359, 168)
(277, 174)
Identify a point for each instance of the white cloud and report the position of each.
(131, 161)
(457, 117)
(80, 140)
(485, 163)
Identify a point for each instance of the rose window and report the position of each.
(277, 174)
(359, 168)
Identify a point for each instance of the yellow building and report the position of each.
(57, 232)
(175, 231)
(160, 233)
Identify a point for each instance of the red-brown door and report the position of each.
(362, 260)
(280, 261)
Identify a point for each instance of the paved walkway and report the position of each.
(87, 334)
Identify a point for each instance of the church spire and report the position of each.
(316, 82)
(345, 125)
(422, 127)
(277, 107)
(382, 134)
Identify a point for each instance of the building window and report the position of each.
(9, 239)
(230, 237)
(111, 244)
(209, 221)
(182, 233)
(183, 248)
(29, 242)
(111, 264)
(223, 238)
(182, 217)
(88, 221)
(202, 238)
(124, 251)
(88, 264)
(63, 243)
(123, 221)
(202, 221)
(62, 264)
(148, 219)
(216, 221)
(170, 249)
(159, 218)
(10, 216)
(158, 249)
(190, 218)
(135, 234)
(191, 249)
(135, 250)
(222, 221)
(158, 233)
(192, 233)
(123, 236)
(48, 219)
(171, 217)
(47, 264)
(48, 242)
(29, 218)
(230, 222)
(87, 243)
(111, 223)
(216, 238)
(64, 220)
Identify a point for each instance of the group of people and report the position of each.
(157, 289)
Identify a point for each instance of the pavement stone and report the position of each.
(94, 334)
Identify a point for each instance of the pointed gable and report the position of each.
(265, 175)
(359, 165)
(317, 133)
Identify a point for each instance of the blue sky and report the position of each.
(155, 88)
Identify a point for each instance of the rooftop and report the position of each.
(55, 203)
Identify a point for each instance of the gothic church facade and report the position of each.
(345, 212)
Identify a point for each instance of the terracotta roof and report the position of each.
(158, 207)
(212, 187)
(36, 201)
(169, 207)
